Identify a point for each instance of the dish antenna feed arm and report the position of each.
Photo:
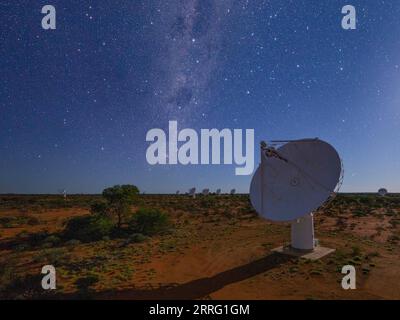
(270, 152)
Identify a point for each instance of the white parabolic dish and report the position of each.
(286, 190)
(382, 191)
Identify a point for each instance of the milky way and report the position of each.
(191, 40)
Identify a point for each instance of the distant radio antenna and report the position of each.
(233, 191)
(63, 192)
(177, 191)
(192, 192)
(206, 192)
(382, 192)
(218, 192)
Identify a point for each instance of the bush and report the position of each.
(54, 240)
(355, 251)
(22, 247)
(47, 245)
(149, 222)
(88, 228)
(137, 237)
(134, 238)
(38, 237)
(11, 222)
(6, 276)
(85, 283)
(72, 242)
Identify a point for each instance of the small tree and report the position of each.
(119, 199)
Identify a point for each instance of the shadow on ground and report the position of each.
(200, 288)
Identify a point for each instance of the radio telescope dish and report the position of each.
(218, 192)
(177, 191)
(233, 191)
(293, 181)
(382, 192)
(206, 192)
(64, 193)
(192, 192)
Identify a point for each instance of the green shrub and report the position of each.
(55, 256)
(6, 275)
(54, 240)
(47, 245)
(355, 251)
(84, 283)
(360, 213)
(23, 235)
(149, 222)
(88, 228)
(38, 237)
(73, 242)
(12, 222)
(22, 247)
(6, 220)
(137, 237)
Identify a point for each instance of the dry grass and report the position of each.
(218, 248)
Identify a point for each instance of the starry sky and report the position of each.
(76, 102)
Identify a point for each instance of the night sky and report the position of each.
(76, 102)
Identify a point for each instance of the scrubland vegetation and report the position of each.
(129, 245)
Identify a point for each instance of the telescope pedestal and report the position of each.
(303, 244)
(302, 233)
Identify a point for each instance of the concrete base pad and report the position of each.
(316, 254)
